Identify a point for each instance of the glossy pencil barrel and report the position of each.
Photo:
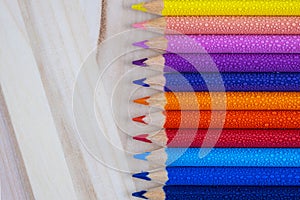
(229, 82)
(209, 176)
(224, 157)
(221, 192)
(224, 43)
(223, 62)
(225, 138)
(224, 7)
(222, 100)
(233, 119)
(223, 25)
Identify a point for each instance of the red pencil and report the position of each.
(235, 138)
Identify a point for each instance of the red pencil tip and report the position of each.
(139, 119)
(142, 138)
(142, 101)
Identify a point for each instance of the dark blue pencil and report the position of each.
(259, 176)
(219, 82)
(220, 193)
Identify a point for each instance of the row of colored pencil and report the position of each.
(229, 96)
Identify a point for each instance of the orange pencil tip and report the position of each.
(139, 119)
(142, 101)
(142, 138)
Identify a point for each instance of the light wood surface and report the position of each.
(54, 79)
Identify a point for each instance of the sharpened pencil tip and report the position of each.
(139, 6)
(141, 44)
(141, 62)
(142, 101)
(142, 138)
(143, 175)
(140, 25)
(140, 194)
(141, 82)
(139, 119)
(142, 156)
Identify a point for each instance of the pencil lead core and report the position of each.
(140, 119)
(139, 6)
(142, 138)
(142, 101)
(141, 62)
(141, 82)
(143, 175)
(140, 194)
(142, 156)
(141, 44)
(140, 25)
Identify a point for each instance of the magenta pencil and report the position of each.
(224, 43)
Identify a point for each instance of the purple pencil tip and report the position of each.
(140, 62)
(141, 44)
(143, 175)
(141, 82)
(140, 194)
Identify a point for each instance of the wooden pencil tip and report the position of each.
(140, 25)
(139, 119)
(141, 82)
(142, 101)
(139, 7)
(140, 62)
(140, 194)
(143, 175)
(142, 156)
(142, 138)
(141, 44)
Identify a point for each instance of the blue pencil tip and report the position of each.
(142, 156)
(140, 194)
(143, 175)
(141, 82)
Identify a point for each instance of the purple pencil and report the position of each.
(170, 62)
(224, 43)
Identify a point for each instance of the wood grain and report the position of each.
(44, 47)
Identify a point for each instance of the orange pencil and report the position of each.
(215, 119)
(223, 101)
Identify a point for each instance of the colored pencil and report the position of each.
(223, 157)
(224, 43)
(223, 101)
(223, 25)
(217, 7)
(223, 119)
(209, 176)
(221, 82)
(220, 193)
(222, 62)
(225, 138)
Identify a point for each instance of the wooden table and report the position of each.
(65, 107)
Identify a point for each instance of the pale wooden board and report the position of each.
(44, 45)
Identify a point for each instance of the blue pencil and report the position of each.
(190, 82)
(220, 193)
(252, 176)
(231, 157)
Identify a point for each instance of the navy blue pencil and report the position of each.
(251, 176)
(220, 193)
(219, 82)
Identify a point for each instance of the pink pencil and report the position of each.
(219, 25)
